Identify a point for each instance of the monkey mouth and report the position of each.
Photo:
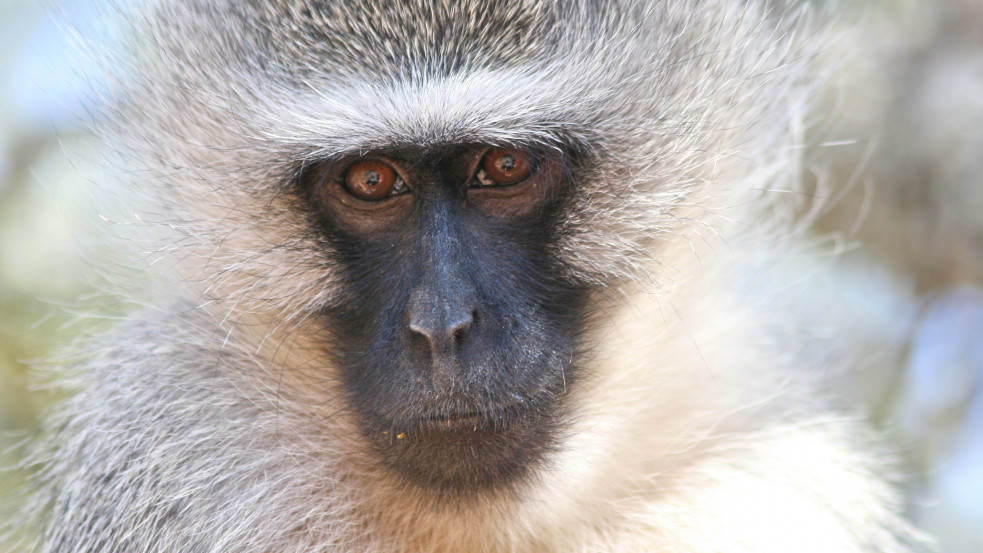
(466, 450)
(473, 419)
(453, 420)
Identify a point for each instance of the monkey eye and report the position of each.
(504, 166)
(373, 181)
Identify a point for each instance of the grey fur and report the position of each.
(213, 423)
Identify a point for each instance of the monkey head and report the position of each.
(433, 208)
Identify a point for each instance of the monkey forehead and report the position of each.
(532, 105)
(300, 83)
(354, 75)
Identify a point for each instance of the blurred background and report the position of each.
(901, 150)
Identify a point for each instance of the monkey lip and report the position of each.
(471, 419)
(456, 419)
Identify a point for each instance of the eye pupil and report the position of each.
(371, 178)
(506, 163)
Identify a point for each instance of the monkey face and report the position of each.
(456, 328)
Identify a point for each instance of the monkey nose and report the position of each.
(445, 323)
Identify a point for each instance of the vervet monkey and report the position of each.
(463, 276)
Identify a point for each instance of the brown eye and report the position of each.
(370, 180)
(506, 166)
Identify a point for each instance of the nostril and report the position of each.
(461, 333)
(462, 328)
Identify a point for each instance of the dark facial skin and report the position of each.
(457, 324)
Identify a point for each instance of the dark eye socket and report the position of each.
(372, 180)
(504, 166)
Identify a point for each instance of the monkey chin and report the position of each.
(467, 453)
